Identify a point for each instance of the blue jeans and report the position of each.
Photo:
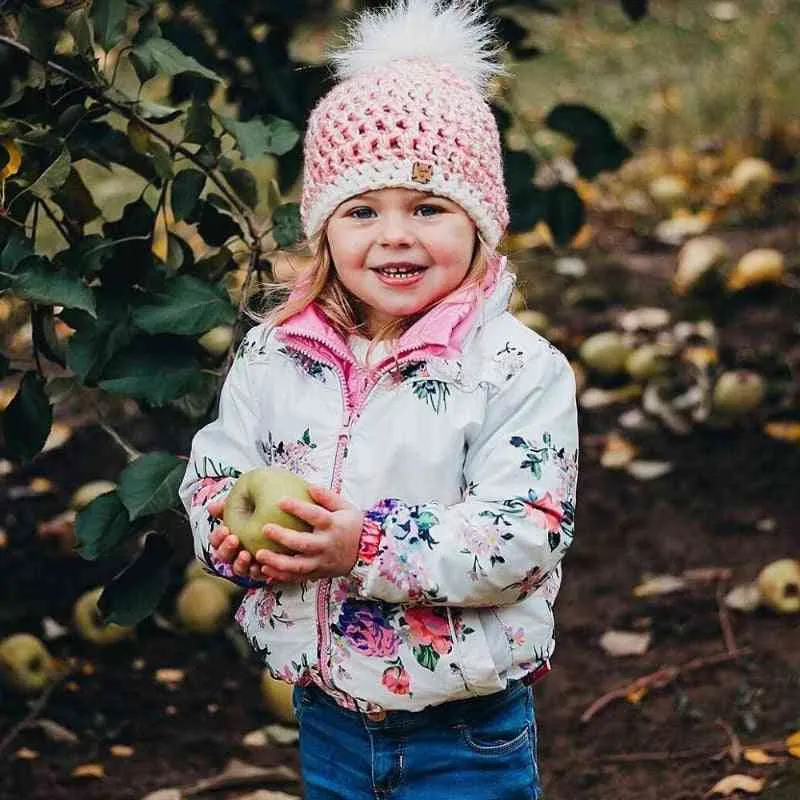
(478, 749)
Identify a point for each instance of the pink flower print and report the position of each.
(482, 540)
(396, 680)
(545, 512)
(265, 605)
(369, 545)
(516, 638)
(428, 626)
(364, 627)
(206, 489)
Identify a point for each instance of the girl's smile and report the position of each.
(399, 251)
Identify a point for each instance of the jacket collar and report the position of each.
(441, 332)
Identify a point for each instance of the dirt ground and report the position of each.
(730, 502)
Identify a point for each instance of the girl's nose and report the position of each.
(394, 232)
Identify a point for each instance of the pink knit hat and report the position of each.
(410, 111)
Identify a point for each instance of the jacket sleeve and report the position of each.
(516, 519)
(220, 452)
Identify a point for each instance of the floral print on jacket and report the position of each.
(465, 464)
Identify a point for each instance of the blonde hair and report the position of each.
(321, 284)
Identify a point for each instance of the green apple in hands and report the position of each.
(253, 503)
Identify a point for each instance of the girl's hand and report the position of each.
(329, 550)
(227, 548)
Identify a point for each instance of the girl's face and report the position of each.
(399, 251)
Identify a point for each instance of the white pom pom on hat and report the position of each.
(456, 34)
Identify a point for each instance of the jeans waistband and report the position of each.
(449, 713)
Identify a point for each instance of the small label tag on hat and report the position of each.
(421, 172)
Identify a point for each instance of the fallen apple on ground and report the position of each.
(779, 584)
(277, 697)
(26, 665)
(89, 622)
(253, 502)
(203, 607)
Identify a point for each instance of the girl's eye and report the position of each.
(428, 210)
(362, 212)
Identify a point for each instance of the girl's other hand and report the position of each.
(329, 550)
(227, 548)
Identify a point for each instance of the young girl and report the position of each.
(438, 435)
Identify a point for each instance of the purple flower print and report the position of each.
(364, 627)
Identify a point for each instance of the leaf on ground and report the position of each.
(793, 744)
(89, 771)
(618, 452)
(625, 643)
(55, 732)
(121, 750)
(737, 783)
(635, 696)
(648, 470)
(784, 431)
(165, 794)
(745, 597)
(756, 755)
(170, 676)
(659, 584)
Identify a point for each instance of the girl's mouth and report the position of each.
(400, 274)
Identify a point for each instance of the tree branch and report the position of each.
(98, 94)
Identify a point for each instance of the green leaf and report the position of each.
(76, 200)
(197, 403)
(187, 306)
(45, 339)
(101, 526)
(528, 206)
(27, 419)
(287, 226)
(426, 656)
(150, 483)
(16, 249)
(109, 18)
(214, 226)
(156, 112)
(255, 137)
(565, 213)
(77, 23)
(243, 182)
(38, 30)
(160, 56)
(134, 593)
(53, 177)
(162, 160)
(91, 348)
(580, 123)
(198, 128)
(5, 367)
(599, 155)
(152, 370)
(40, 284)
(634, 9)
(186, 190)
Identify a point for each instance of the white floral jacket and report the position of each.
(462, 449)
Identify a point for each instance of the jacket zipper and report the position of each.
(351, 414)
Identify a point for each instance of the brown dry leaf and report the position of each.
(170, 676)
(89, 771)
(756, 755)
(635, 696)
(594, 397)
(164, 794)
(648, 470)
(26, 754)
(625, 643)
(793, 744)
(737, 783)
(746, 597)
(59, 435)
(788, 431)
(41, 485)
(121, 750)
(56, 732)
(659, 584)
(618, 451)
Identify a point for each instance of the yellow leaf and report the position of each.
(14, 157)
(636, 695)
(89, 771)
(160, 245)
(26, 754)
(793, 744)
(737, 783)
(757, 756)
(618, 451)
(787, 431)
(169, 676)
(122, 750)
